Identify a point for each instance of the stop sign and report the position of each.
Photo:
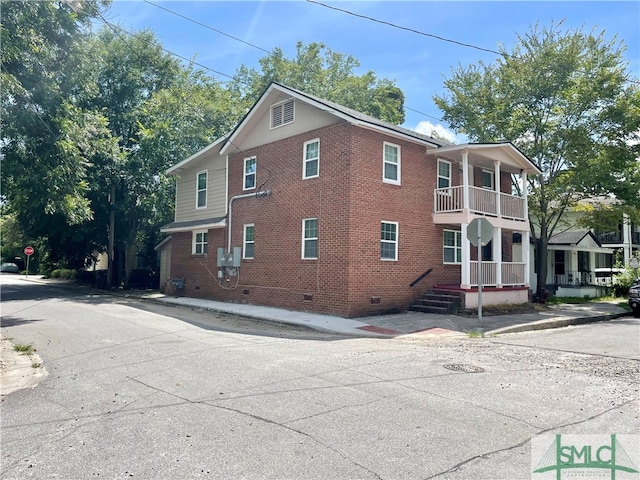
(28, 251)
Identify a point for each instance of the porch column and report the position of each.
(525, 195)
(496, 165)
(497, 253)
(526, 257)
(465, 267)
(626, 238)
(465, 183)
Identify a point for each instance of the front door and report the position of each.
(558, 269)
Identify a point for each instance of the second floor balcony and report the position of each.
(480, 202)
(476, 180)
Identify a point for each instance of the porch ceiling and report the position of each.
(484, 154)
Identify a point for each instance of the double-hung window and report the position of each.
(452, 246)
(391, 164)
(487, 180)
(310, 238)
(444, 174)
(389, 241)
(199, 242)
(201, 189)
(249, 173)
(249, 241)
(311, 163)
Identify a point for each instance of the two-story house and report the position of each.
(308, 205)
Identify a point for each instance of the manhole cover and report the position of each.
(461, 367)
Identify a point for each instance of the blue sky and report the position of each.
(417, 63)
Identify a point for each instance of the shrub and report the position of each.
(622, 281)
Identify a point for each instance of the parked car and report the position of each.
(634, 299)
(9, 267)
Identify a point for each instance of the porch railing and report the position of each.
(481, 200)
(513, 273)
(575, 278)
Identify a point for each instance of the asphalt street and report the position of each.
(139, 390)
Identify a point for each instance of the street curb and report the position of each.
(555, 323)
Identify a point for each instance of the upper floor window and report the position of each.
(311, 164)
(199, 242)
(452, 246)
(249, 173)
(282, 113)
(487, 180)
(310, 238)
(201, 189)
(391, 164)
(249, 241)
(389, 241)
(444, 174)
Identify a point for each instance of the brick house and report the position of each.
(308, 205)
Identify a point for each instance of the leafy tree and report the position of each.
(47, 143)
(319, 71)
(567, 100)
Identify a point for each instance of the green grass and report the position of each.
(23, 349)
(475, 334)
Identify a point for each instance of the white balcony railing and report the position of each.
(481, 201)
(513, 274)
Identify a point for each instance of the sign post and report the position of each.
(634, 263)
(479, 233)
(28, 251)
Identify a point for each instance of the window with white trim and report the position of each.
(487, 179)
(444, 174)
(389, 241)
(282, 113)
(311, 163)
(391, 164)
(201, 189)
(452, 246)
(310, 238)
(250, 165)
(199, 242)
(249, 241)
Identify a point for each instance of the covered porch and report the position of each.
(489, 181)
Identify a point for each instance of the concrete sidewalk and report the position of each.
(393, 325)
(21, 371)
(407, 323)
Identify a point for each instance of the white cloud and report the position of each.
(428, 128)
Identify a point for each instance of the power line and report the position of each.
(256, 46)
(115, 28)
(383, 22)
(207, 26)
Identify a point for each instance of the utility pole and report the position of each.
(112, 226)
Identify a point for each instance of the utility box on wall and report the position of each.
(229, 259)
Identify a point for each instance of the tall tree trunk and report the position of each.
(542, 252)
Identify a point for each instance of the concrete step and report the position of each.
(429, 309)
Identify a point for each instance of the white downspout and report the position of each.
(258, 194)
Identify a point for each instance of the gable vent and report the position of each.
(282, 113)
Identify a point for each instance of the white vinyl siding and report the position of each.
(391, 163)
(201, 189)
(250, 165)
(187, 192)
(311, 163)
(282, 113)
(310, 238)
(199, 242)
(452, 246)
(249, 241)
(389, 241)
